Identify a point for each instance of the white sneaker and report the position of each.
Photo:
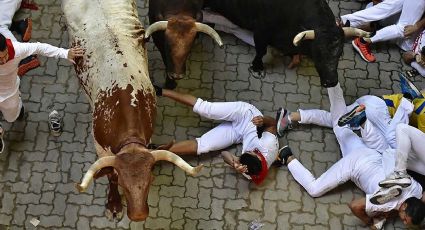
(384, 195)
(55, 123)
(1, 138)
(396, 178)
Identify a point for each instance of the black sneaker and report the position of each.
(1, 138)
(27, 64)
(354, 118)
(284, 153)
(55, 123)
(282, 121)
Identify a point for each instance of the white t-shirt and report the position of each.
(267, 144)
(9, 80)
(380, 173)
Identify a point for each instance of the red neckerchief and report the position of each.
(257, 179)
(10, 49)
(416, 43)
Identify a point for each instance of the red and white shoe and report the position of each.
(363, 50)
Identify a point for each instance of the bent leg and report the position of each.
(410, 140)
(8, 9)
(375, 13)
(339, 173)
(316, 117)
(401, 116)
(11, 107)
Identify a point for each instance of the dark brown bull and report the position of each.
(114, 74)
(174, 25)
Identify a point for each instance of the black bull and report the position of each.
(277, 22)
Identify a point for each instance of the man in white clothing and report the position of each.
(11, 53)
(242, 123)
(411, 12)
(362, 165)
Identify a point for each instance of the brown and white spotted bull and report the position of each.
(174, 25)
(114, 75)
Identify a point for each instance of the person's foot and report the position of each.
(1, 138)
(55, 123)
(408, 89)
(354, 118)
(21, 114)
(363, 48)
(384, 195)
(284, 153)
(396, 178)
(23, 28)
(283, 121)
(158, 90)
(27, 64)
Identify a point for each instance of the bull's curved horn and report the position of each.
(308, 34)
(96, 166)
(159, 25)
(164, 155)
(354, 32)
(204, 28)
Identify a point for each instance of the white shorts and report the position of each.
(8, 9)
(11, 107)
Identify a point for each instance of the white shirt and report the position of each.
(9, 80)
(380, 173)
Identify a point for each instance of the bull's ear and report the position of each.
(103, 172)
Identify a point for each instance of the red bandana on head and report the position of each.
(258, 179)
(10, 49)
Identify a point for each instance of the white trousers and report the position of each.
(377, 12)
(8, 9)
(411, 12)
(11, 107)
(410, 149)
(237, 117)
(352, 149)
(224, 25)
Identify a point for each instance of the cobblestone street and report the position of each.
(38, 171)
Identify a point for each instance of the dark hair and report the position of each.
(2, 42)
(415, 209)
(252, 163)
(423, 50)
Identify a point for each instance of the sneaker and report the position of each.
(384, 195)
(407, 87)
(24, 28)
(55, 123)
(283, 121)
(354, 118)
(1, 138)
(27, 64)
(283, 155)
(396, 178)
(363, 50)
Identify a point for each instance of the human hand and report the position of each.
(75, 52)
(420, 59)
(376, 1)
(258, 121)
(410, 30)
(240, 167)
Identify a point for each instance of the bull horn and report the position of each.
(204, 28)
(308, 34)
(164, 155)
(96, 166)
(354, 32)
(159, 25)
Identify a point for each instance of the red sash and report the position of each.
(10, 49)
(258, 179)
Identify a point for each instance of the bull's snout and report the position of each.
(175, 76)
(138, 216)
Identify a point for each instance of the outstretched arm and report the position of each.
(27, 49)
(183, 98)
(358, 207)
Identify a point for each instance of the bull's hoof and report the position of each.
(114, 215)
(260, 74)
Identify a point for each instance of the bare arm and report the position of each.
(410, 30)
(358, 207)
(233, 161)
(268, 123)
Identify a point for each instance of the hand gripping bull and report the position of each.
(114, 75)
